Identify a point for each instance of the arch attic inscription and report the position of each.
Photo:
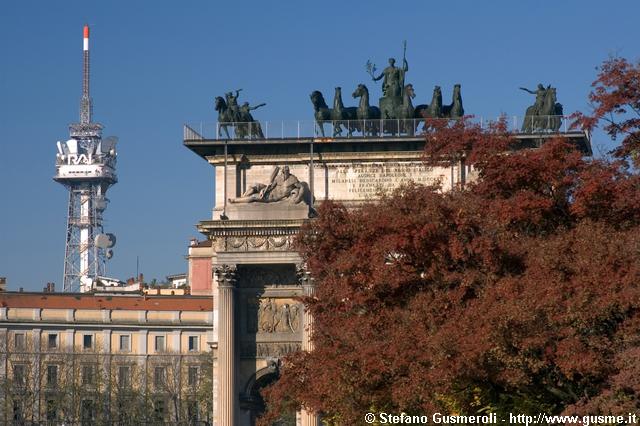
(366, 180)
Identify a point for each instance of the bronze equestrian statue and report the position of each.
(240, 118)
(545, 114)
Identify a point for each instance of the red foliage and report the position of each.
(616, 103)
(519, 293)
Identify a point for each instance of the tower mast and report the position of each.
(85, 102)
(85, 165)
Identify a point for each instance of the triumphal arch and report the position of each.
(270, 179)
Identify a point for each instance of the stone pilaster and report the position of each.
(226, 275)
(307, 418)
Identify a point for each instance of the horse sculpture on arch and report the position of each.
(238, 117)
(344, 116)
(455, 109)
(225, 116)
(545, 114)
(369, 115)
(436, 110)
(322, 113)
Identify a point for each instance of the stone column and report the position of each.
(37, 370)
(308, 289)
(226, 346)
(106, 365)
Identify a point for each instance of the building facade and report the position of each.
(105, 358)
(265, 192)
(258, 276)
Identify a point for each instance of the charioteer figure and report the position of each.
(393, 78)
(238, 117)
(245, 114)
(540, 93)
(254, 128)
(232, 104)
(393, 85)
(545, 114)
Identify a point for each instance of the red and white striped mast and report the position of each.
(85, 102)
(85, 164)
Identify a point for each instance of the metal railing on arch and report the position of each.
(347, 129)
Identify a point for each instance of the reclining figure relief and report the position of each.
(282, 186)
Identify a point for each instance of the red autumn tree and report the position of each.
(518, 293)
(616, 105)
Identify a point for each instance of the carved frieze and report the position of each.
(264, 350)
(244, 243)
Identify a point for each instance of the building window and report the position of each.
(192, 412)
(87, 412)
(158, 410)
(19, 341)
(125, 342)
(160, 346)
(123, 410)
(52, 375)
(51, 410)
(18, 412)
(88, 375)
(192, 376)
(87, 341)
(193, 343)
(159, 377)
(52, 341)
(124, 376)
(19, 374)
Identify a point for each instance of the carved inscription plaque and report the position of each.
(260, 276)
(365, 180)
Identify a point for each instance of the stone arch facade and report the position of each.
(251, 400)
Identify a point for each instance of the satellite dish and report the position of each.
(105, 241)
(109, 254)
(102, 241)
(112, 240)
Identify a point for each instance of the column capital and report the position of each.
(226, 275)
(306, 280)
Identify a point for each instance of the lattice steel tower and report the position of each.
(86, 166)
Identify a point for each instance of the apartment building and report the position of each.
(105, 358)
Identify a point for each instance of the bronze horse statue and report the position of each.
(455, 109)
(225, 116)
(433, 110)
(400, 117)
(548, 118)
(344, 116)
(322, 113)
(369, 115)
(242, 121)
(436, 110)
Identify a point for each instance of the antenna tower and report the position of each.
(86, 166)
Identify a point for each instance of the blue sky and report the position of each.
(159, 64)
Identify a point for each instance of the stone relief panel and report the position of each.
(270, 315)
(262, 276)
